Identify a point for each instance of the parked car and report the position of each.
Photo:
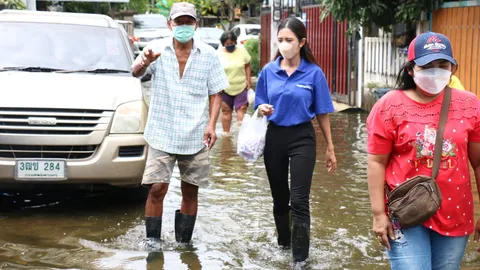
(70, 112)
(128, 26)
(209, 35)
(148, 27)
(245, 32)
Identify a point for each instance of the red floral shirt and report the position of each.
(406, 129)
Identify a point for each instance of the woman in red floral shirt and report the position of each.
(401, 137)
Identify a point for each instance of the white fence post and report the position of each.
(382, 60)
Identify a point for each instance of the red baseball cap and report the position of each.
(429, 47)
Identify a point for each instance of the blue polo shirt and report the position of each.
(296, 99)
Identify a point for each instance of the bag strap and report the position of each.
(437, 154)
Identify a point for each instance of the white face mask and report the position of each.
(288, 49)
(432, 80)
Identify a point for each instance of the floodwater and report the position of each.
(234, 229)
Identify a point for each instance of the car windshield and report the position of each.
(252, 31)
(209, 33)
(61, 46)
(149, 21)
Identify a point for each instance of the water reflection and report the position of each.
(234, 228)
(155, 260)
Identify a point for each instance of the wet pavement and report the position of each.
(234, 229)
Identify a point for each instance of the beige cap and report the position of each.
(183, 9)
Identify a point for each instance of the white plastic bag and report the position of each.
(250, 96)
(251, 137)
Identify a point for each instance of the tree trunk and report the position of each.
(231, 16)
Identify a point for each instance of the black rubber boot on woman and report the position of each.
(300, 241)
(284, 232)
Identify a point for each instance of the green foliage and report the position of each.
(382, 13)
(252, 47)
(140, 6)
(204, 6)
(86, 7)
(372, 85)
(13, 4)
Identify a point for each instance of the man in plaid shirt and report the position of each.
(184, 107)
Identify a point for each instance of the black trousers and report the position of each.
(291, 147)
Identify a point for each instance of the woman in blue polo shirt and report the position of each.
(291, 91)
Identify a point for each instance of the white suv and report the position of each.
(245, 32)
(70, 112)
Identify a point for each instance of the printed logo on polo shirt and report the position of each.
(434, 43)
(425, 147)
(304, 86)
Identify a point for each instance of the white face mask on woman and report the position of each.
(288, 49)
(432, 80)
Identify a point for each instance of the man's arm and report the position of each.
(214, 108)
(215, 102)
(141, 65)
(217, 80)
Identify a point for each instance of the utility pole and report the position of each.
(276, 18)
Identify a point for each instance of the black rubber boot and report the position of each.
(184, 225)
(300, 241)
(154, 227)
(284, 232)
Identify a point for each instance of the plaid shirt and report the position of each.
(179, 108)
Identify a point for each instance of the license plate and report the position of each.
(40, 170)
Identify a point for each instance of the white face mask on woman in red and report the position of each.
(432, 80)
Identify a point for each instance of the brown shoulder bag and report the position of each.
(418, 199)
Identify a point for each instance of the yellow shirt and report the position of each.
(455, 83)
(234, 66)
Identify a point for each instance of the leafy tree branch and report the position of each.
(381, 13)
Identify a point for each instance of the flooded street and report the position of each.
(234, 228)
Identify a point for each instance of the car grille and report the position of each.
(52, 121)
(42, 151)
(131, 151)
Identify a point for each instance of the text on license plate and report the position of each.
(40, 169)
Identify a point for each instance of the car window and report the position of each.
(62, 46)
(125, 37)
(236, 31)
(149, 21)
(252, 31)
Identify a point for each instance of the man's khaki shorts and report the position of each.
(194, 168)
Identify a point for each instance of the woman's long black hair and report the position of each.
(404, 79)
(300, 31)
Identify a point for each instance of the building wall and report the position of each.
(462, 26)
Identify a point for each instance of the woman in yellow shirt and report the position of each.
(236, 63)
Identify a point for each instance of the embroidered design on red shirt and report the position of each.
(425, 147)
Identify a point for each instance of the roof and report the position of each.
(57, 18)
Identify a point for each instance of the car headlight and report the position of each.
(130, 118)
